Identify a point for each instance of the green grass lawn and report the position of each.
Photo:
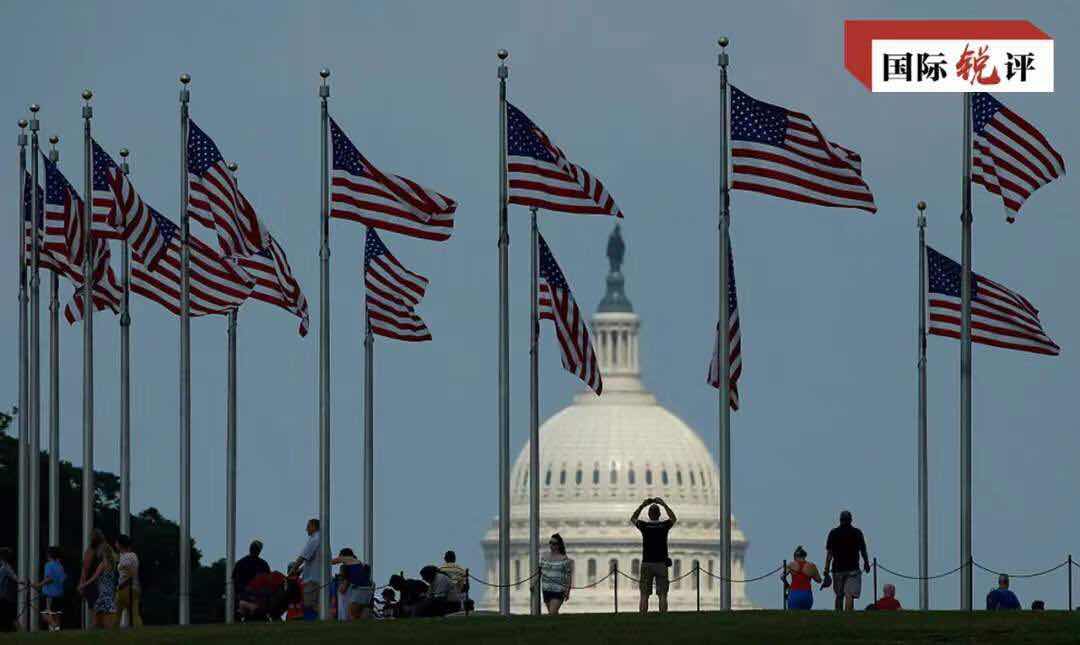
(743, 627)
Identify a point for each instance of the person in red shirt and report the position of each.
(888, 602)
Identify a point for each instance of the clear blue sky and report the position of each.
(628, 89)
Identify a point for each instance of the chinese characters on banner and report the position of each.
(962, 66)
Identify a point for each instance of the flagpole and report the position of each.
(54, 388)
(534, 424)
(369, 445)
(125, 372)
(88, 322)
(24, 428)
(504, 354)
(324, 358)
(965, 370)
(725, 342)
(34, 427)
(230, 456)
(923, 485)
(185, 365)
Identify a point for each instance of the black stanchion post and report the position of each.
(1070, 606)
(875, 579)
(697, 582)
(783, 585)
(466, 603)
(615, 572)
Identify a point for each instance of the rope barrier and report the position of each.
(907, 577)
(1020, 575)
(507, 586)
(761, 577)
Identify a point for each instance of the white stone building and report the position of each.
(599, 458)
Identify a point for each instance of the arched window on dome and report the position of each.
(678, 477)
(635, 567)
(630, 475)
(709, 584)
(611, 566)
(648, 476)
(562, 476)
(613, 478)
(596, 474)
(704, 481)
(547, 478)
(577, 476)
(592, 570)
(664, 477)
(692, 483)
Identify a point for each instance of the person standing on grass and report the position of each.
(89, 592)
(556, 575)
(844, 546)
(52, 587)
(802, 571)
(308, 561)
(104, 579)
(654, 551)
(129, 591)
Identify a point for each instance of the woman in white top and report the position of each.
(556, 574)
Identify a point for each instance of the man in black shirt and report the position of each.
(248, 567)
(843, 548)
(654, 551)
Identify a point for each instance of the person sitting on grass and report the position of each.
(1002, 598)
(888, 601)
(437, 601)
(410, 593)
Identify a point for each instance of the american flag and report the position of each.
(217, 285)
(215, 201)
(734, 340)
(392, 292)
(782, 153)
(120, 212)
(63, 216)
(557, 304)
(107, 293)
(999, 316)
(106, 221)
(274, 282)
(362, 193)
(540, 175)
(47, 259)
(1010, 157)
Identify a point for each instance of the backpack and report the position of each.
(358, 575)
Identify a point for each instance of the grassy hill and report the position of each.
(745, 627)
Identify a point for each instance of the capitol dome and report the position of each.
(599, 458)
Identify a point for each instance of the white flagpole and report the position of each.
(504, 354)
(34, 420)
(24, 397)
(230, 456)
(185, 365)
(125, 371)
(369, 443)
(725, 342)
(534, 423)
(923, 472)
(54, 389)
(88, 322)
(965, 370)
(324, 358)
